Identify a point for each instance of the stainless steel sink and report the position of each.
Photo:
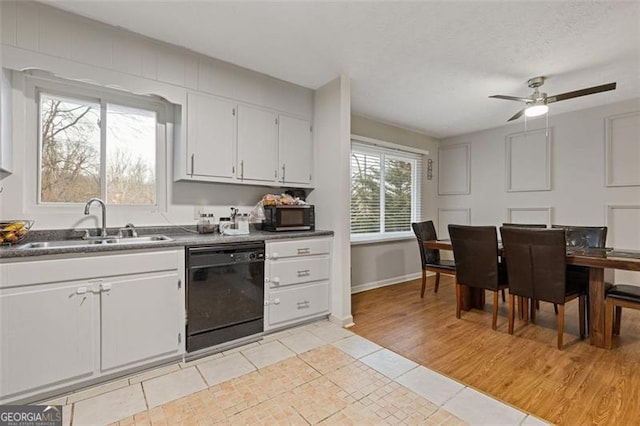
(59, 244)
(132, 240)
(93, 242)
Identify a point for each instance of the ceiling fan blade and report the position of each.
(511, 98)
(517, 115)
(582, 92)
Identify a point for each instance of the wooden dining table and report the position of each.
(601, 264)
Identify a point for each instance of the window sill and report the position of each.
(374, 239)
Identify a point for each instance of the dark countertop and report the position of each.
(180, 238)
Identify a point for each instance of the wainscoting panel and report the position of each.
(454, 169)
(529, 215)
(623, 222)
(448, 217)
(623, 143)
(528, 161)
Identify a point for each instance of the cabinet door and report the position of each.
(46, 336)
(257, 144)
(211, 130)
(296, 303)
(295, 149)
(139, 318)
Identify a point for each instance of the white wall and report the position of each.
(331, 139)
(35, 35)
(383, 263)
(578, 195)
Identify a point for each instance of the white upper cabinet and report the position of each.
(295, 151)
(6, 163)
(257, 144)
(211, 132)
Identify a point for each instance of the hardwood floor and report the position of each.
(578, 385)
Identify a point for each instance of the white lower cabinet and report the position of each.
(297, 302)
(138, 319)
(46, 336)
(68, 321)
(296, 281)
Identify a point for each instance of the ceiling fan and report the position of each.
(538, 101)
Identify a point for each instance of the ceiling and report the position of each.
(428, 66)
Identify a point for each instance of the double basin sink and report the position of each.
(93, 242)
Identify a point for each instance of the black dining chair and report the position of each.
(429, 258)
(475, 250)
(536, 266)
(524, 225)
(618, 296)
(582, 237)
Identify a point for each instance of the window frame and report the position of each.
(35, 85)
(395, 151)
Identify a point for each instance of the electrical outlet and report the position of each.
(197, 211)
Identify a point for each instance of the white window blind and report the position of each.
(385, 190)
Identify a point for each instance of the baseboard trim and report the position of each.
(389, 281)
(345, 322)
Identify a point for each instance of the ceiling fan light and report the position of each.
(536, 110)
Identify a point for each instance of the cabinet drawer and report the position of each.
(51, 270)
(297, 302)
(298, 247)
(296, 271)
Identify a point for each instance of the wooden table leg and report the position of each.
(596, 307)
(472, 298)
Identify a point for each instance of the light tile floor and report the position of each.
(315, 374)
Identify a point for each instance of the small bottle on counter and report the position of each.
(225, 223)
(205, 224)
(243, 223)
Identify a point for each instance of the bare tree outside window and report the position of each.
(70, 168)
(71, 160)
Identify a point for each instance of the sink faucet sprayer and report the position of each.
(103, 230)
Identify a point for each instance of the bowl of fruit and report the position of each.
(12, 231)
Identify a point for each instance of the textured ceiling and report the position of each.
(428, 66)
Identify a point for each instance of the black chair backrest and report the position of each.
(536, 263)
(585, 236)
(475, 250)
(425, 231)
(524, 225)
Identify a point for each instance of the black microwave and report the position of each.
(289, 218)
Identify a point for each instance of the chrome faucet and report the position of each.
(103, 230)
(128, 228)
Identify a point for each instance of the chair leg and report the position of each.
(435, 288)
(512, 313)
(608, 324)
(537, 304)
(424, 283)
(520, 307)
(555, 308)
(458, 300)
(504, 297)
(618, 318)
(525, 308)
(494, 320)
(560, 325)
(581, 304)
(533, 310)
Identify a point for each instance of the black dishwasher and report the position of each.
(225, 293)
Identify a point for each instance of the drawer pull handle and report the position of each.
(304, 273)
(81, 290)
(304, 304)
(275, 280)
(276, 301)
(305, 250)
